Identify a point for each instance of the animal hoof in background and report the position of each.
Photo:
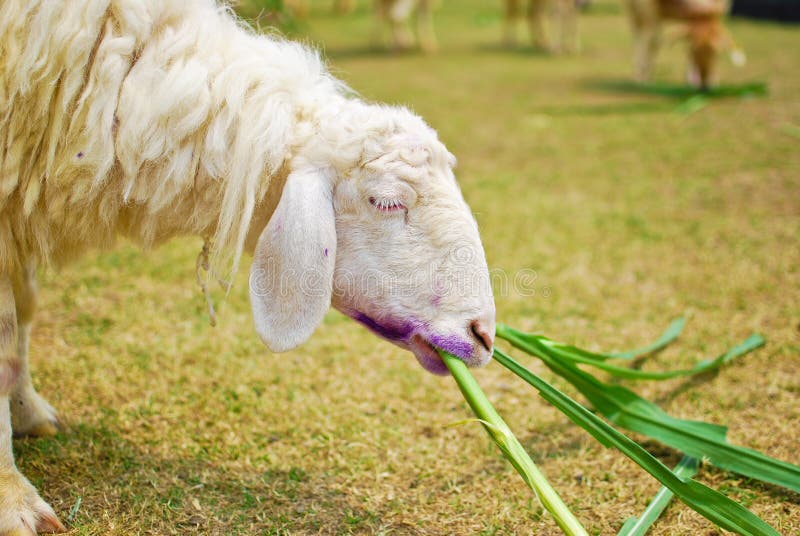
(545, 47)
(693, 78)
(429, 47)
(22, 511)
(402, 47)
(32, 416)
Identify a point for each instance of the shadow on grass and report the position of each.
(688, 384)
(519, 49)
(737, 487)
(555, 440)
(615, 108)
(372, 51)
(385, 51)
(91, 474)
(678, 91)
(664, 98)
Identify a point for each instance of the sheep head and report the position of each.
(388, 241)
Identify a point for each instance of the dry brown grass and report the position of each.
(629, 212)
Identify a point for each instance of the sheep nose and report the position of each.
(482, 331)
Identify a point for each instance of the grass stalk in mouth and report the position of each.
(511, 448)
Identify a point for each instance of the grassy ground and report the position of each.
(629, 211)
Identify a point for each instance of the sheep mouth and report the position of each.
(411, 336)
(427, 356)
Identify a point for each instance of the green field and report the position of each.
(631, 207)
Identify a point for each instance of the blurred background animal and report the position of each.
(397, 15)
(343, 7)
(703, 29)
(563, 13)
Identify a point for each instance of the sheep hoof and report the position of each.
(45, 429)
(49, 522)
(32, 416)
(25, 513)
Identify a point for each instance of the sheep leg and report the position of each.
(644, 17)
(22, 511)
(427, 35)
(399, 14)
(381, 20)
(537, 10)
(647, 43)
(31, 415)
(512, 14)
(569, 39)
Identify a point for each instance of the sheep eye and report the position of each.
(387, 205)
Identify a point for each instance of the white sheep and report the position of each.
(156, 118)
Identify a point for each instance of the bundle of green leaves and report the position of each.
(624, 408)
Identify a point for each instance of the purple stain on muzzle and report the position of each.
(393, 331)
(451, 344)
(402, 331)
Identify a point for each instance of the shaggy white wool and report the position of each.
(151, 119)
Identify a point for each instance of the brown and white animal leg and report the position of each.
(537, 11)
(644, 18)
(298, 8)
(22, 511)
(31, 415)
(568, 38)
(647, 43)
(381, 19)
(512, 15)
(399, 14)
(425, 30)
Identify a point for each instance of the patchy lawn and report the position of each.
(622, 208)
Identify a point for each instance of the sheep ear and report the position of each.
(291, 279)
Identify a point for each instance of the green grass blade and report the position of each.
(693, 104)
(686, 468)
(672, 332)
(578, 355)
(711, 504)
(625, 408)
(511, 448)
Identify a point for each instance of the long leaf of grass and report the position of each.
(672, 332)
(686, 468)
(511, 448)
(625, 408)
(711, 504)
(579, 355)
